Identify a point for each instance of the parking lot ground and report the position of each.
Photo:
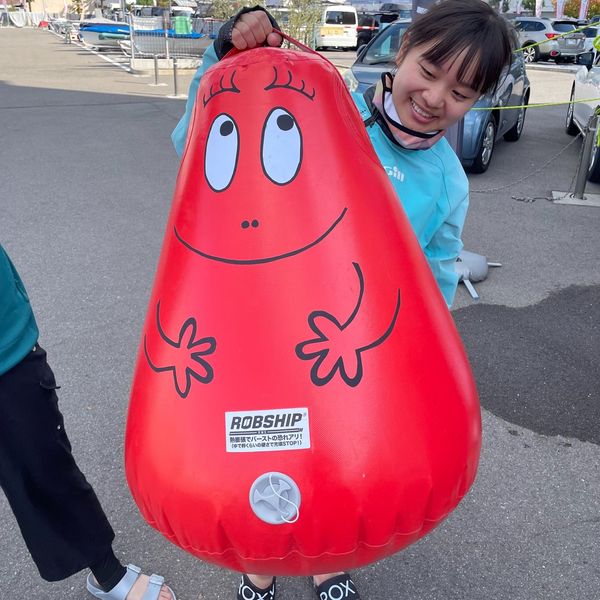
(87, 175)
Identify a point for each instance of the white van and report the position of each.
(337, 28)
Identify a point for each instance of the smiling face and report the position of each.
(430, 97)
(259, 180)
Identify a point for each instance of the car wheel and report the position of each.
(514, 133)
(570, 126)
(594, 168)
(531, 54)
(486, 147)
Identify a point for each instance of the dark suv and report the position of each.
(369, 24)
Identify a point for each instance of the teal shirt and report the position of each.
(18, 330)
(434, 192)
(431, 185)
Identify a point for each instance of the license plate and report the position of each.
(332, 31)
(571, 42)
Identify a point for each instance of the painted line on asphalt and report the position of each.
(125, 68)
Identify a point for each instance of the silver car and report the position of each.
(548, 33)
(585, 104)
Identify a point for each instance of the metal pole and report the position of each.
(588, 142)
(131, 41)
(166, 30)
(175, 76)
(155, 69)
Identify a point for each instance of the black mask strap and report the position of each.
(387, 87)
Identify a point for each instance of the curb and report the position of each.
(571, 69)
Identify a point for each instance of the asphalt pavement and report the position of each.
(86, 178)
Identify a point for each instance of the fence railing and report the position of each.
(180, 36)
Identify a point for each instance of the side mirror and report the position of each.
(586, 59)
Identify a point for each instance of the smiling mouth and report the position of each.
(260, 261)
(420, 111)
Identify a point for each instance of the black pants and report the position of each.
(61, 520)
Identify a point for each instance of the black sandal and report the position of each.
(340, 587)
(248, 591)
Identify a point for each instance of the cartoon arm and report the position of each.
(337, 346)
(182, 357)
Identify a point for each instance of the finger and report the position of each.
(238, 41)
(274, 39)
(242, 36)
(250, 27)
(264, 23)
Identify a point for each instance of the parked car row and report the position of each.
(474, 138)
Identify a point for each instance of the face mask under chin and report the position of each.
(404, 136)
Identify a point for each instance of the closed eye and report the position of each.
(426, 72)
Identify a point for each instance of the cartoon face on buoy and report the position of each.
(297, 358)
(261, 148)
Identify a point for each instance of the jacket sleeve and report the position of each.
(444, 247)
(179, 134)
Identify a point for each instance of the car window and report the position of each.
(339, 17)
(590, 32)
(562, 27)
(385, 46)
(538, 26)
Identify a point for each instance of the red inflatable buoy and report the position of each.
(302, 402)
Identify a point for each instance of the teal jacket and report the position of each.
(18, 330)
(431, 185)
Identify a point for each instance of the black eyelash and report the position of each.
(233, 88)
(289, 85)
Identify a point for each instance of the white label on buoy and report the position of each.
(267, 430)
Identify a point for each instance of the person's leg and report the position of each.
(261, 581)
(61, 520)
(108, 571)
(256, 587)
(59, 515)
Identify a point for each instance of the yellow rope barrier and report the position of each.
(538, 104)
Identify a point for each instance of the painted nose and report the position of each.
(246, 224)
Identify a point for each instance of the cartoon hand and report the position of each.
(331, 350)
(335, 348)
(184, 356)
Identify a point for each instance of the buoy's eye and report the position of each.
(281, 150)
(222, 151)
